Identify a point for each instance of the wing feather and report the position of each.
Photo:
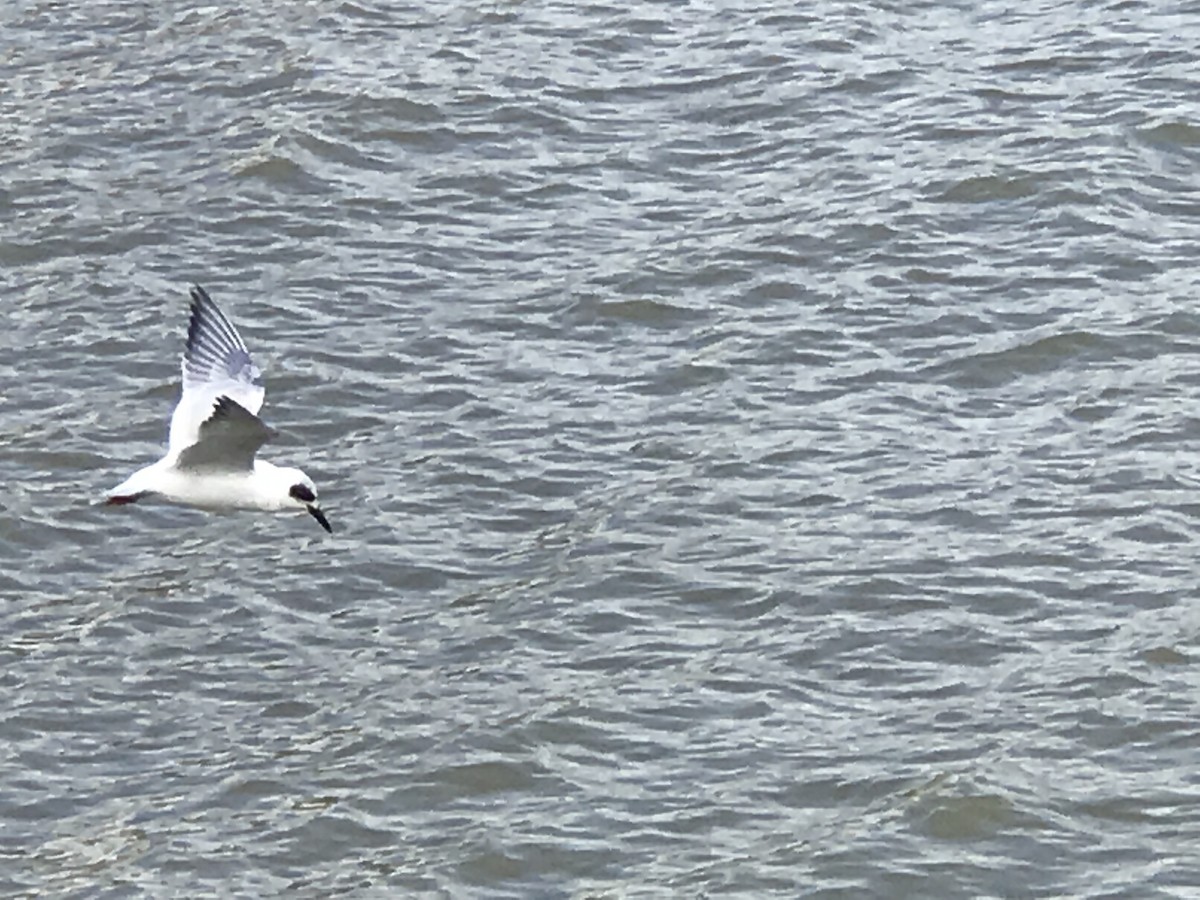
(216, 364)
(229, 439)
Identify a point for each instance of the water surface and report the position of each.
(759, 443)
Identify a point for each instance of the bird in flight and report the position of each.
(216, 433)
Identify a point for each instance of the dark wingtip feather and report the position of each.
(194, 315)
(200, 299)
(204, 313)
(222, 407)
(213, 347)
(225, 408)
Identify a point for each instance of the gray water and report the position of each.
(759, 442)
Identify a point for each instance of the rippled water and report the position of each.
(759, 443)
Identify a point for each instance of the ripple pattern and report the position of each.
(758, 439)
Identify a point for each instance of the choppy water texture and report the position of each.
(761, 445)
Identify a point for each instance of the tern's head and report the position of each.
(303, 493)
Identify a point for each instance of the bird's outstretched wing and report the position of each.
(229, 439)
(216, 365)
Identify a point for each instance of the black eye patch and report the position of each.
(302, 493)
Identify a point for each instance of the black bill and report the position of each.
(315, 512)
